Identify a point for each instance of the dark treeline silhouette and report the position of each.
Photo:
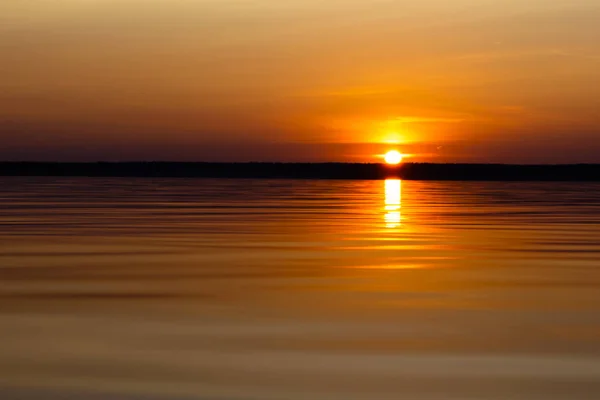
(409, 171)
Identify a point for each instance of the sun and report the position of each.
(393, 157)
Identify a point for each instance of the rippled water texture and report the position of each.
(257, 289)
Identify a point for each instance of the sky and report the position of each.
(506, 81)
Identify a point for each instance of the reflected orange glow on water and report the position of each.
(393, 202)
(299, 281)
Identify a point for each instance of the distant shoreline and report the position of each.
(408, 171)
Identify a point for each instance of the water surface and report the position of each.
(282, 289)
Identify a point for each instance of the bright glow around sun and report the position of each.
(393, 157)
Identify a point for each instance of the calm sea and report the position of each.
(277, 289)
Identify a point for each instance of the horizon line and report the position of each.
(298, 163)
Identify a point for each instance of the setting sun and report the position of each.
(393, 157)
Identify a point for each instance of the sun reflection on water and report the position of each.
(393, 202)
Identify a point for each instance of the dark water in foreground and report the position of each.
(255, 289)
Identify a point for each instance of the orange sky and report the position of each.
(300, 80)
